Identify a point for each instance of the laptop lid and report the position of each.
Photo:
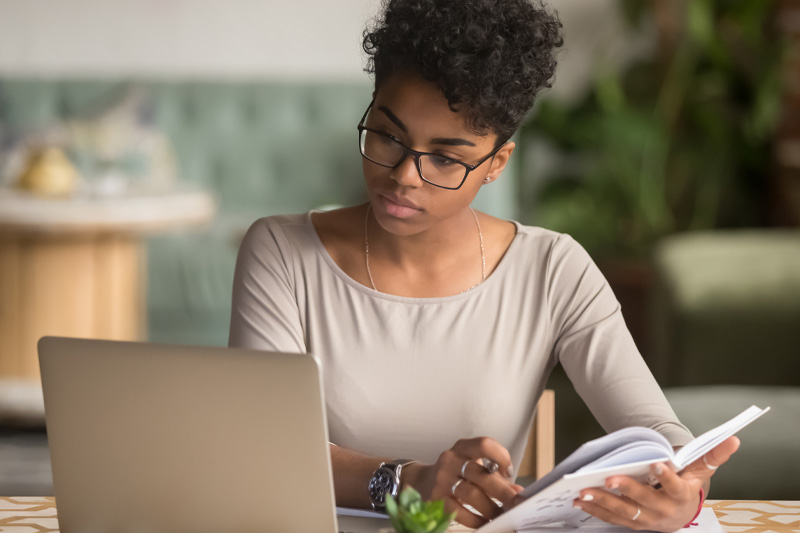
(153, 437)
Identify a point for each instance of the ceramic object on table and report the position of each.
(48, 172)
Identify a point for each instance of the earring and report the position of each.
(487, 179)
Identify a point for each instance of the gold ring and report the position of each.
(455, 485)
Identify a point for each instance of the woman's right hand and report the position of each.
(460, 479)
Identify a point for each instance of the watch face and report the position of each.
(381, 484)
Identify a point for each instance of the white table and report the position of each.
(30, 515)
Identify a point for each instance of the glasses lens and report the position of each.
(385, 151)
(380, 148)
(442, 170)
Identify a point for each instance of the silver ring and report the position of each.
(490, 465)
(710, 467)
(638, 512)
(464, 468)
(455, 485)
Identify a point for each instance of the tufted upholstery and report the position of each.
(251, 142)
(727, 332)
(727, 308)
(765, 467)
(264, 147)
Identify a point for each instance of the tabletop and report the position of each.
(141, 211)
(38, 515)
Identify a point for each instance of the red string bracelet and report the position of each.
(699, 508)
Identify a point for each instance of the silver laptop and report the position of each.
(163, 438)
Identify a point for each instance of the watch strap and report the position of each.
(400, 464)
(396, 467)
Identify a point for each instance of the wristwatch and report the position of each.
(385, 481)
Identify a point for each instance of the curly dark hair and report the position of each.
(489, 57)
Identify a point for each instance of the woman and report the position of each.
(436, 326)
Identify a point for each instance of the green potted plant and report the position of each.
(413, 515)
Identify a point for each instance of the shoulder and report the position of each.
(278, 235)
(278, 224)
(548, 243)
(558, 259)
(537, 236)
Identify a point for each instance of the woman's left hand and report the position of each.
(668, 508)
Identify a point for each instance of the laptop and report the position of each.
(168, 438)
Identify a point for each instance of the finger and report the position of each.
(615, 503)
(619, 514)
(486, 447)
(518, 500)
(673, 485)
(469, 494)
(720, 454)
(716, 457)
(463, 515)
(491, 484)
(675, 496)
(636, 491)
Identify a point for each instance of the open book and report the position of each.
(629, 452)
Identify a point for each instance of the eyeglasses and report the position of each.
(438, 170)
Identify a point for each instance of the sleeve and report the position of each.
(264, 311)
(597, 351)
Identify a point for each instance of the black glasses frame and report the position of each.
(417, 154)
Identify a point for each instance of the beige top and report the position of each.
(408, 377)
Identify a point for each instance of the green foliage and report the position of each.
(678, 141)
(416, 516)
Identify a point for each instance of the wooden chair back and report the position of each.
(539, 458)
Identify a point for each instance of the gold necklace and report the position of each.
(366, 249)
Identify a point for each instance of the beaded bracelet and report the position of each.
(699, 508)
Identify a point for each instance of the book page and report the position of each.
(550, 499)
(594, 450)
(554, 503)
(707, 522)
(635, 452)
(712, 438)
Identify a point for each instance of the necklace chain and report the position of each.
(366, 249)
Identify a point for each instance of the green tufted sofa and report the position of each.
(726, 308)
(264, 147)
(726, 328)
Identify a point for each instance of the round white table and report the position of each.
(75, 266)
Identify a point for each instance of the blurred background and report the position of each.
(138, 141)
